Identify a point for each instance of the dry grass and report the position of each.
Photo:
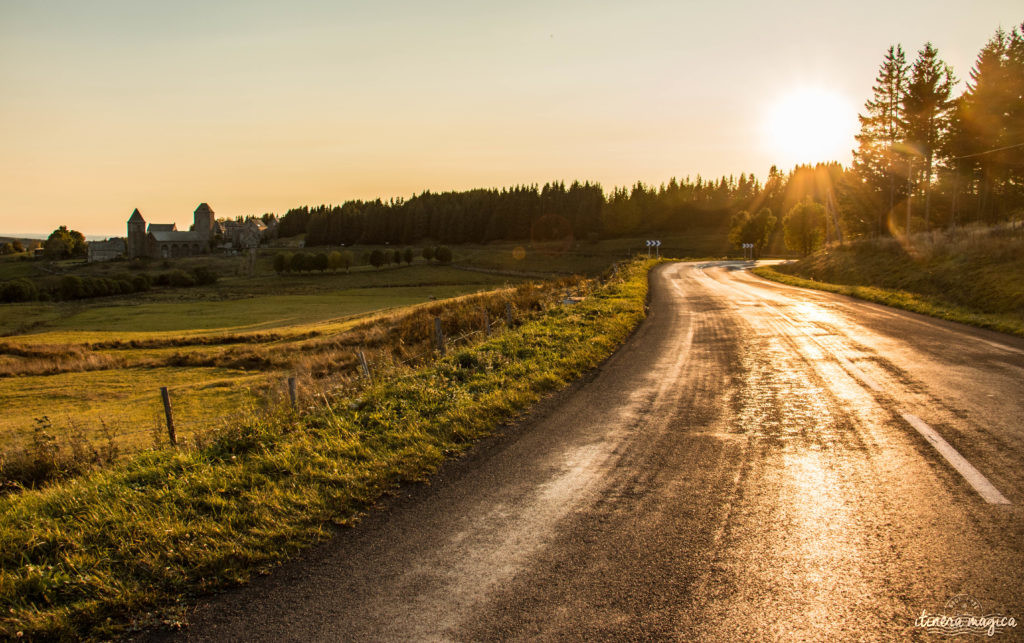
(108, 390)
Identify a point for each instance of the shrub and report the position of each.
(205, 276)
(428, 253)
(71, 287)
(444, 255)
(334, 260)
(283, 262)
(407, 255)
(180, 279)
(140, 283)
(18, 290)
(301, 262)
(376, 258)
(320, 262)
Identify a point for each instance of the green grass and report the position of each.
(932, 306)
(126, 401)
(588, 258)
(124, 320)
(92, 556)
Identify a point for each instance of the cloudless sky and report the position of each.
(257, 107)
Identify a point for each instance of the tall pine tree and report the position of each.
(928, 111)
(882, 126)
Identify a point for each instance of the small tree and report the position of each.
(428, 253)
(346, 260)
(756, 229)
(7, 249)
(407, 255)
(376, 258)
(396, 257)
(282, 262)
(334, 260)
(805, 226)
(320, 262)
(443, 255)
(301, 262)
(18, 246)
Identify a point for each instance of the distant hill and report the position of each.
(24, 239)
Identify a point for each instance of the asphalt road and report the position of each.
(758, 462)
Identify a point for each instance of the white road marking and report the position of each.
(976, 479)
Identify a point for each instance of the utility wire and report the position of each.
(998, 149)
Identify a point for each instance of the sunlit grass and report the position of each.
(87, 556)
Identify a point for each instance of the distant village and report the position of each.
(206, 235)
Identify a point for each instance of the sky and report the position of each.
(256, 107)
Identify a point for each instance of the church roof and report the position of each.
(203, 209)
(117, 243)
(136, 216)
(174, 236)
(163, 227)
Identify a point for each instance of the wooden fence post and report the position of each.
(292, 392)
(364, 365)
(439, 336)
(170, 418)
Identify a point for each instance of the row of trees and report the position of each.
(11, 247)
(546, 213)
(344, 259)
(69, 287)
(956, 158)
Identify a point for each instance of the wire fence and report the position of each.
(183, 412)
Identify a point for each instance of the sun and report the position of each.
(808, 125)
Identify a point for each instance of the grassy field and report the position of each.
(121, 546)
(95, 366)
(974, 277)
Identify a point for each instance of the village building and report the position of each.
(107, 250)
(165, 241)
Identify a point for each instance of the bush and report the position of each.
(320, 262)
(376, 258)
(428, 253)
(140, 283)
(283, 262)
(443, 255)
(205, 276)
(18, 290)
(180, 279)
(407, 255)
(334, 260)
(71, 287)
(301, 262)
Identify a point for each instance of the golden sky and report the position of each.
(260, 106)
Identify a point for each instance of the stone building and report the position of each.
(164, 240)
(107, 250)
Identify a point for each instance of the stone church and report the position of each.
(164, 240)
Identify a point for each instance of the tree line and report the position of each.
(525, 212)
(953, 159)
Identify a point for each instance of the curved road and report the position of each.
(757, 462)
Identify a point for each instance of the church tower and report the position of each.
(203, 222)
(136, 235)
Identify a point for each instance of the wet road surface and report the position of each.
(754, 464)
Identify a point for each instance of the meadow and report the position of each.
(128, 545)
(93, 368)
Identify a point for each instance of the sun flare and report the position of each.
(810, 124)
